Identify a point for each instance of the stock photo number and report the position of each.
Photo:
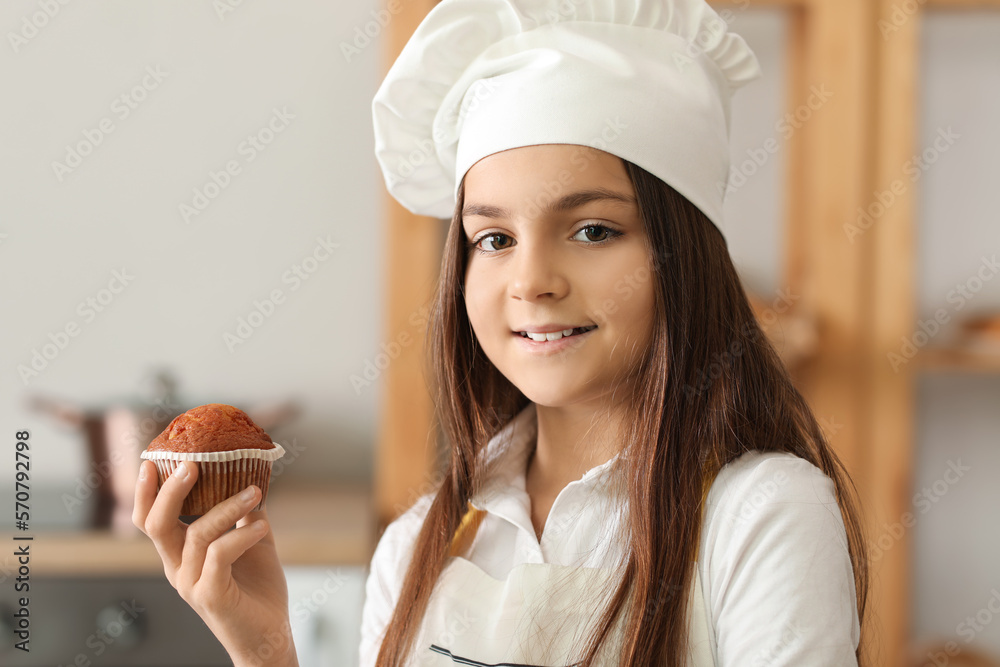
(22, 546)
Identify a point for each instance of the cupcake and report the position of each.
(231, 452)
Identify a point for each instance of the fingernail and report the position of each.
(247, 494)
(181, 471)
(142, 472)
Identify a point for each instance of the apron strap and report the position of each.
(466, 531)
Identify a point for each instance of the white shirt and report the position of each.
(775, 570)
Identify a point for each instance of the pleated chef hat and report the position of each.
(647, 80)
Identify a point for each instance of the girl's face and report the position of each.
(558, 244)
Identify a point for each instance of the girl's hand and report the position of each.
(231, 578)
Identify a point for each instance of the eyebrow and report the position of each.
(566, 203)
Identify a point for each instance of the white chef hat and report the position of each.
(647, 80)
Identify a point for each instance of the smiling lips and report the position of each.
(555, 335)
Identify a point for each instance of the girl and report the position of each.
(632, 477)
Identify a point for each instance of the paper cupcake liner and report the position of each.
(216, 457)
(218, 480)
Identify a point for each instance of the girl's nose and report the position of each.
(536, 272)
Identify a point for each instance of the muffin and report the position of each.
(231, 452)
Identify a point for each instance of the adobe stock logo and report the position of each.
(372, 29)
(122, 107)
(43, 355)
(265, 308)
(249, 149)
(31, 25)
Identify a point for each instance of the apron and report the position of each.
(541, 615)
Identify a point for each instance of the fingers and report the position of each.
(224, 551)
(163, 524)
(145, 494)
(206, 531)
(258, 515)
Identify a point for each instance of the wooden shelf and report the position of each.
(313, 525)
(959, 359)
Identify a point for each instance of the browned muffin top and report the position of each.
(211, 428)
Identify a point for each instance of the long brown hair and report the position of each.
(688, 423)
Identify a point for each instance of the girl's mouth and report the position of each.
(549, 339)
(555, 335)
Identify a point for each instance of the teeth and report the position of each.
(555, 335)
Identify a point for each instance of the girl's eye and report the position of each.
(499, 241)
(606, 233)
(490, 238)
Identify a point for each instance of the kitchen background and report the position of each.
(169, 168)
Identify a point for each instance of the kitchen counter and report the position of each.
(316, 525)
